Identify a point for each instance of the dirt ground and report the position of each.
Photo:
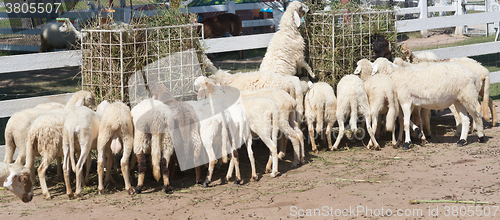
(353, 183)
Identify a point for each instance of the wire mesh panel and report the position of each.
(120, 62)
(337, 40)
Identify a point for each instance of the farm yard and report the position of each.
(432, 179)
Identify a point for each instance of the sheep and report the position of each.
(426, 56)
(418, 87)
(233, 119)
(287, 120)
(153, 124)
(17, 179)
(285, 53)
(382, 98)
(299, 95)
(45, 138)
(262, 115)
(80, 131)
(17, 127)
(320, 108)
(351, 98)
(116, 127)
(56, 35)
(382, 47)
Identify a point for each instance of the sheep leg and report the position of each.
(465, 123)
(100, 168)
(375, 127)
(141, 170)
(59, 169)
(211, 156)
(311, 136)
(493, 112)
(341, 133)
(84, 154)
(303, 63)
(458, 120)
(124, 162)
(273, 158)
(329, 133)
(426, 118)
(41, 174)
(66, 170)
(300, 137)
(291, 134)
(109, 166)
(282, 144)
(88, 164)
(167, 153)
(406, 108)
(370, 132)
(21, 155)
(10, 148)
(477, 119)
(252, 159)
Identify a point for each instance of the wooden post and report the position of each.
(459, 30)
(422, 4)
(230, 7)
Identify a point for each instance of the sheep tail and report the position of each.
(71, 142)
(156, 154)
(391, 114)
(354, 115)
(116, 145)
(320, 116)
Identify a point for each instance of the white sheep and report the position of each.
(352, 98)
(58, 35)
(262, 115)
(320, 108)
(15, 178)
(423, 56)
(288, 124)
(50, 105)
(418, 87)
(116, 131)
(285, 53)
(153, 124)
(187, 139)
(17, 127)
(80, 131)
(382, 98)
(227, 104)
(45, 138)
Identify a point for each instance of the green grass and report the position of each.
(495, 91)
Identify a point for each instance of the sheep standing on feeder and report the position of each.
(56, 35)
(285, 53)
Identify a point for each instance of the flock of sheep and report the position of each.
(234, 108)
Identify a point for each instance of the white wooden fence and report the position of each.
(73, 58)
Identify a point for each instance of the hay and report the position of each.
(337, 39)
(113, 52)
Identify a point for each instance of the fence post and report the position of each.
(422, 4)
(230, 7)
(459, 30)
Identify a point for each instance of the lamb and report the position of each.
(320, 105)
(56, 35)
(262, 115)
(17, 179)
(287, 120)
(351, 98)
(17, 127)
(50, 105)
(285, 53)
(233, 119)
(416, 87)
(45, 138)
(382, 98)
(153, 122)
(116, 131)
(80, 131)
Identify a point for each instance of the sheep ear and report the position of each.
(296, 18)
(375, 69)
(79, 103)
(10, 179)
(357, 71)
(310, 84)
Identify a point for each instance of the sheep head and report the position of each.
(293, 15)
(19, 183)
(383, 65)
(364, 69)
